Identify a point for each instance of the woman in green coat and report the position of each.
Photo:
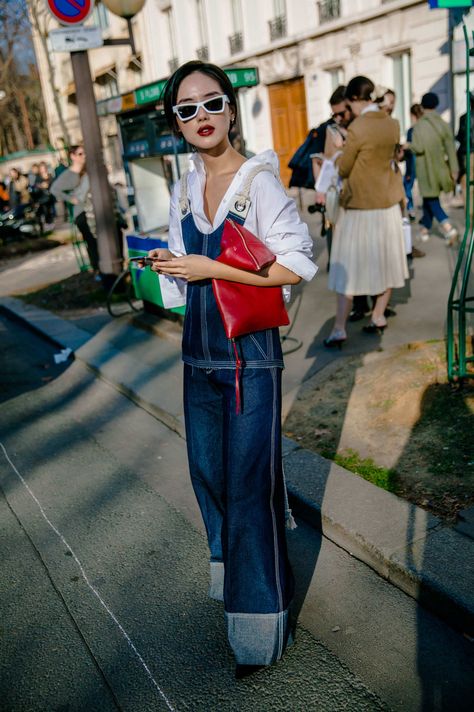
(436, 167)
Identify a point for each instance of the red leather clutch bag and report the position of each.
(245, 308)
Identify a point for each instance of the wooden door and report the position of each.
(289, 123)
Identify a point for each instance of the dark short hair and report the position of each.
(338, 95)
(73, 149)
(416, 110)
(430, 100)
(170, 91)
(359, 89)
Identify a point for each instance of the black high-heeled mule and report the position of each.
(330, 343)
(374, 328)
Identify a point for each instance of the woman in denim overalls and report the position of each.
(234, 457)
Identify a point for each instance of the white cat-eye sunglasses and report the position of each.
(215, 105)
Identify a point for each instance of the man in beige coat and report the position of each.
(436, 167)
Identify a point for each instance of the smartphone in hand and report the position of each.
(146, 261)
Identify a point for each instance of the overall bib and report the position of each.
(235, 460)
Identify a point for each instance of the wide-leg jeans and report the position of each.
(236, 471)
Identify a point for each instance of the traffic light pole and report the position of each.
(107, 239)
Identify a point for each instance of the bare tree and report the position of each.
(19, 84)
(41, 21)
(10, 32)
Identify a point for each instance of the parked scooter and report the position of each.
(19, 223)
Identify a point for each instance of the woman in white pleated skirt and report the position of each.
(368, 250)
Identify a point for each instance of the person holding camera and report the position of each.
(330, 139)
(331, 136)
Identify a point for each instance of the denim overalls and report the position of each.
(235, 458)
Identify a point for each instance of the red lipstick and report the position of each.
(206, 130)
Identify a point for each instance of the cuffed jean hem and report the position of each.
(258, 638)
(216, 587)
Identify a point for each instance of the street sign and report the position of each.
(75, 39)
(70, 12)
(243, 76)
(151, 92)
(446, 4)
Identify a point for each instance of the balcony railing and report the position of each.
(203, 53)
(236, 42)
(173, 64)
(277, 27)
(329, 10)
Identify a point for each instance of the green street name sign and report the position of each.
(243, 76)
(449, 3)
(151, 92)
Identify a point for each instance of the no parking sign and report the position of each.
(70, 12)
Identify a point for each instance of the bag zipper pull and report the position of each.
(238, 366)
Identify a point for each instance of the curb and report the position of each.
(404, 544)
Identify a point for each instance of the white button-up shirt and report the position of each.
(272, 217)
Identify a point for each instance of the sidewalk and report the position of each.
(140, 357)
(403, 543)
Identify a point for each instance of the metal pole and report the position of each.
(451, 25)
(107, 242)
(130, 36)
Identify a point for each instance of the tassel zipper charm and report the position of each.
(238, 366)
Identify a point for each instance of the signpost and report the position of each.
(73, 13)
(74, 39)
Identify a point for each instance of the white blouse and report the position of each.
(272, 217)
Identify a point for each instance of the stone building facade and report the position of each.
(302, 48)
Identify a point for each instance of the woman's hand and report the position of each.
(160, 253)
(190, 267)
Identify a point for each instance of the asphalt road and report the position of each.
(103, 581)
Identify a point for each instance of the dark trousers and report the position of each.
(408, 183)
(432, 210)
(89, 239)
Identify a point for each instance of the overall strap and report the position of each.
(184, 206)
(240, 202)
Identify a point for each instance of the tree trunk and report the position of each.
(16, 131)
(25, 120)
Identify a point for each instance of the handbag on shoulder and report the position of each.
(245, 308)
